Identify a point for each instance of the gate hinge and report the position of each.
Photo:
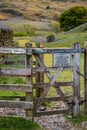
(82, 102)
(73, 103)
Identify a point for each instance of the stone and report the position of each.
(6, 36)
(84, 124)
(50, 38)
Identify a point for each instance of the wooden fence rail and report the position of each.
(22, 72)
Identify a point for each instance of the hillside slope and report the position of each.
(35, 9)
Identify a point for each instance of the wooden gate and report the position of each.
(33, 68)
(71, 102)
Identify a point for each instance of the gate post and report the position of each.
(85, 80)
(39, 75)
(28, 62)
(76, 82)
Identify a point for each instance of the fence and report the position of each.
(36, 69)
(27, 88)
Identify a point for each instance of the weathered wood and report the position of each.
(29, 96)
(55, 50)
(15, 72)
(56, 84)
(12, 50)
(40, 62)
(76, 84)
(17, 51)
(85, 80)
(44, 113)
(41, 98)
(39, 75)
(47, 69)
(10, 62)
(50, 99)
(16, 104)
(16, 87)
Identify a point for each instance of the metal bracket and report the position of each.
(71, 103)
(80, 102)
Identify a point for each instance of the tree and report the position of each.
(73, 17)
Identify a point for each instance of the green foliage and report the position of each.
(77, 120)
(19, 34)
(16, 123)
(24, 30)
(29, 29)
(73, 17)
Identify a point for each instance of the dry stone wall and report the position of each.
(6, 37)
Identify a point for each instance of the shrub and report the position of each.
(73, 17)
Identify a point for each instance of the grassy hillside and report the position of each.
(36, 9)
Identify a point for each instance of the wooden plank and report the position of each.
(49, 99)
(76, 84)
(15, 62)
(45, 113)
(55, 50)
(41, 98)
(10, 62)
(16, 104)
(16, 87)
(47, 69)
(85, 80)
(38, 50)
(17, 51)
(40, 62)
(56, 84)
(15, 72)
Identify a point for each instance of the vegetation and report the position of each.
(78, 120)
(24, 30)
(67, 39)
(16, 123)
(73, 17)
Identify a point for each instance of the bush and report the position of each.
(73, 17)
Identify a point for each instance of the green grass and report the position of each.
(67, 39)
(17, 123)
(77, 120)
